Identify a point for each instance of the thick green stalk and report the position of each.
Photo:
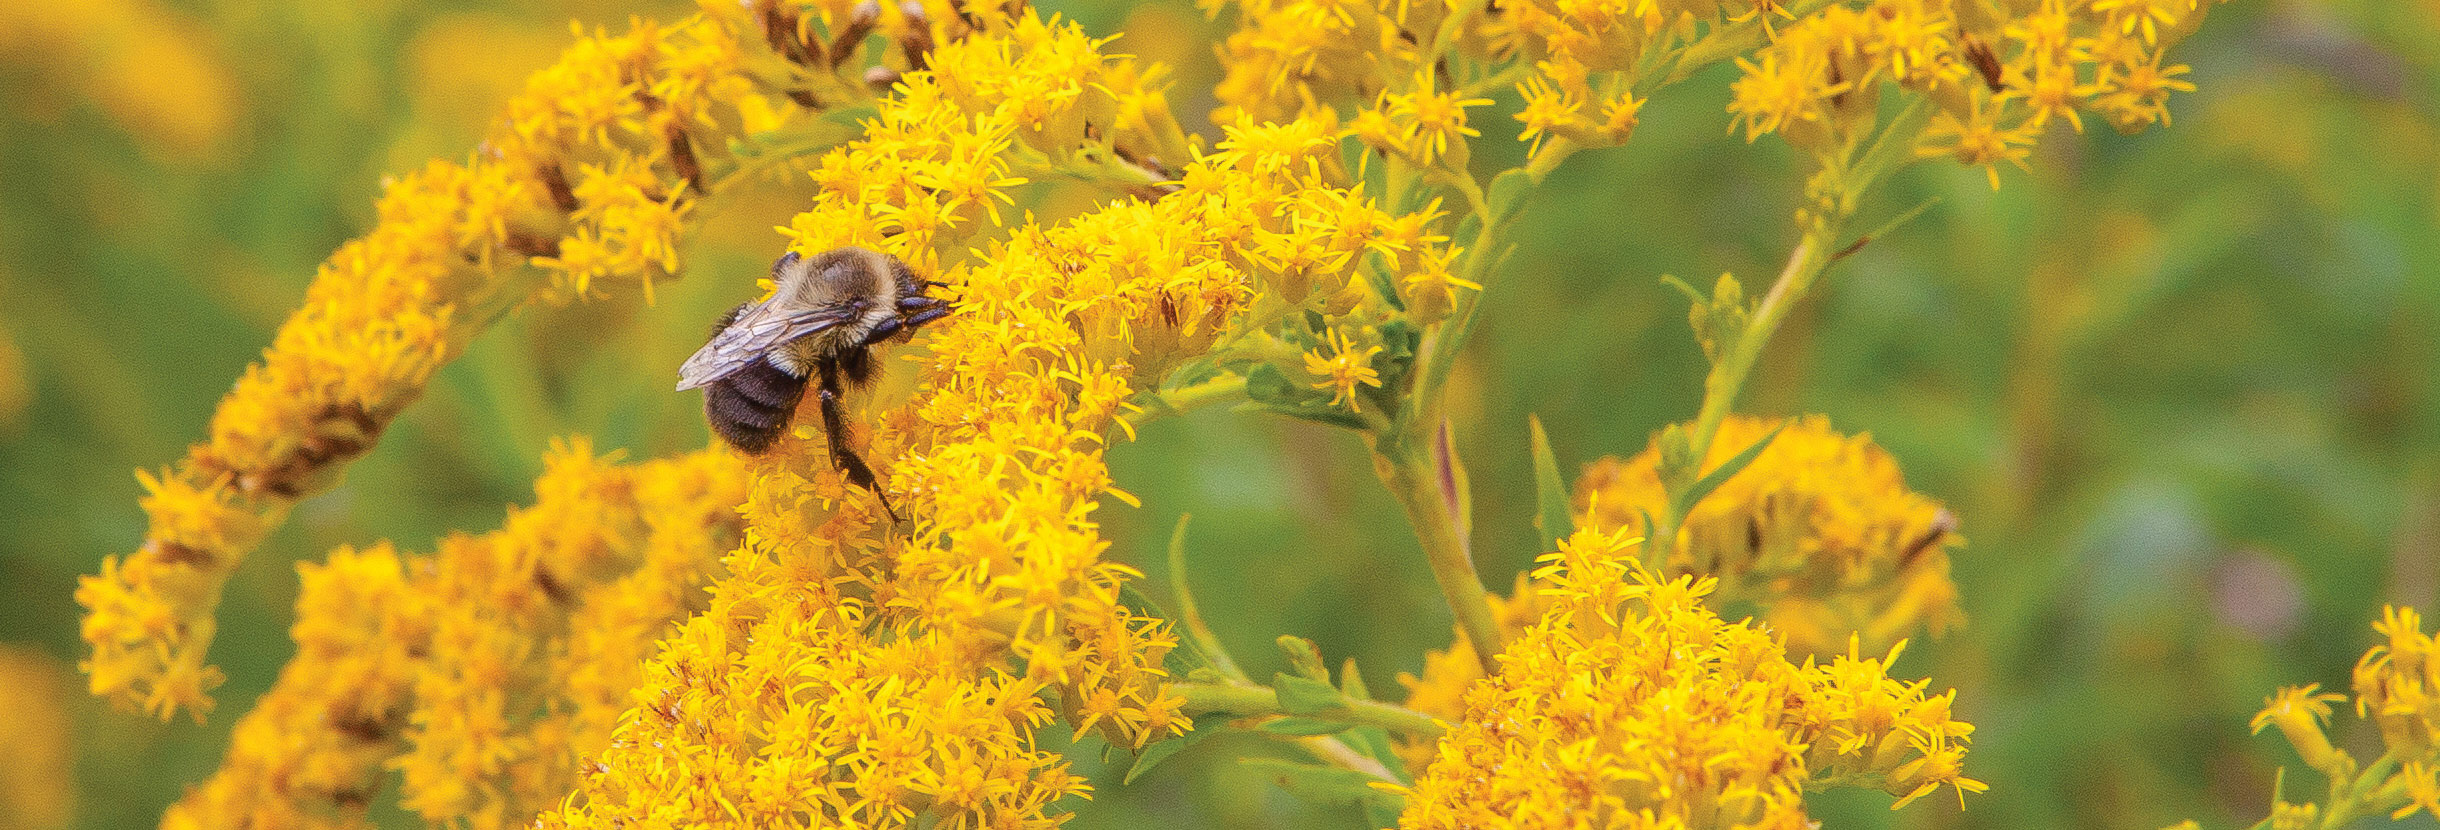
(1407, 470)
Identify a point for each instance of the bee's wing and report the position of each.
(756, 331)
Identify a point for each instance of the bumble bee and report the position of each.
(825, 314)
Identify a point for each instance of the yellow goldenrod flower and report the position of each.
(1548, 111)
(1819, 530)
(2394, 687)
(1431, 123)
(1630, 702)
(1978, 139)
(484, 671)
(2135, 93)
(2299, 712)
(1780, 94)
(1343, 370)
(2150, 17)
(2422, 785)
(1440, 691)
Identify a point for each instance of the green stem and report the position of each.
(1184, 399)
(2369, 789)
(1728, 376)
(1406, 469)
(1553, 151)
(1248, 700)
(1338, 753)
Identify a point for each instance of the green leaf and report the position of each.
(1373, 742)
(1328, 417)
(1383, 809)
(1327, 786)
(1351, 682)
(1307, 696)
(1303, 727)
(1551, 515)
(1190, 373)
(852, 115)
(1507, 195)
(1456, 490)
(1304, 657)
(1266, 384)
(1886, 228)
(1720, 475)
(1199, 636)
(1153, 755)
(1692, 295)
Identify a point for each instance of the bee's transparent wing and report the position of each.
(756, 331)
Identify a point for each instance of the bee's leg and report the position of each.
(884, 331)
(835, 425)
(927, 309)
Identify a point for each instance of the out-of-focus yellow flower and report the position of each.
(38, 786)
(2134, 92)
(1629, 702)
(484, 671)
(145, 64)
(1820, 532)
(2286, 816)
(1977, 139)
(2422, 784)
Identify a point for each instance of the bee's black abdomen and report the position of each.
(767, 385)
(751, 408)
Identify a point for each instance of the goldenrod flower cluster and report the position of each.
(483, 671)
(714, 642)
(1819, 532)
(1631, 704)
(1998, 72)
(587, 181)
(846, 675)
(1997, 76)
(2397, 691)
(1818, 536)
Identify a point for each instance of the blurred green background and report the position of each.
(2182, 388)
